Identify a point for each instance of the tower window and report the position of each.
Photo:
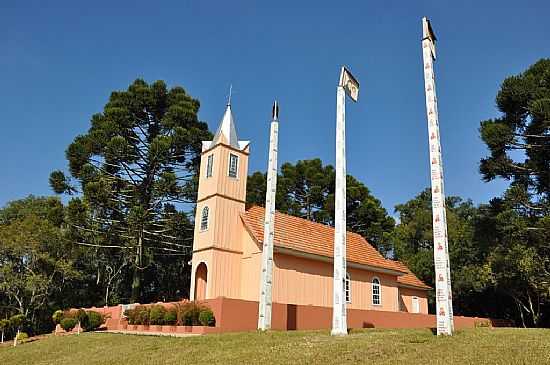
(347, 287)
(376, 292)
(233, 165)
(209, 165)
(204, 219)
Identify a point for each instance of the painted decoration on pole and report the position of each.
(444, 306)
(348, 84)
(266, 282)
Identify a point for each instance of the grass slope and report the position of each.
(479, 346)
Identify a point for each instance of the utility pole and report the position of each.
(266, 297)
(444, 302)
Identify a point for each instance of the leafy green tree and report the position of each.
(412, 241)
(519, 140)
(36, 260)
(306, 189)
(519, 145)
(4, 327)
(137, 162)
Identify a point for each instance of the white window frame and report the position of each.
(415, 308)
(347, 288)
(236, 166)
(205, 219)
(209, 165)
(379, 291)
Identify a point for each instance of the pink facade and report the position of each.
(227, 246)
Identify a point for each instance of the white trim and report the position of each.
(379, 291)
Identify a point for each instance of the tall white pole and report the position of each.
(339, 315)
(444, 304)
(265, 307)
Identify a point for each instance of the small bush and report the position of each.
(82, 318)
(70, 314)
(479, 324)
(57, 316)
(142, 315)
(170, 317)
(22, 336)
(17, 320)
(206, 317)
(130, 315)
(68, 324)
(191, 314)
(156, 314)
(94, 321)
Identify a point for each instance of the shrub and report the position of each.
(22, 336)
(180, 312)
(131, 315)
(94, 321)
(17, 320)
(57, 316)
(156, 314)
(142, 315)
(191, 314)
(70, 314)
(206, 317)
(171, 316)
(82, 318)
(68, 324)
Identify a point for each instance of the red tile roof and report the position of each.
(315, 238)
(409, 278)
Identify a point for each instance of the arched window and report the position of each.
(376, 292)
(347, 287)
(204, 219)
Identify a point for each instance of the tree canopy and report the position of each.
(306, 189)
(134, 167)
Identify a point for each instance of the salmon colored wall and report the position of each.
(225, 274)
(241, 315)
(224, 224)
(220, 245)
(220, 182)
(309, 282)
(406, 299)
(250, 268)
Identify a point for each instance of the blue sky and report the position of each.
(60, 60)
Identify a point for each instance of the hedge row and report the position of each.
(89, 320)
(187, 314)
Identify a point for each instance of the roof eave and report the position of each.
(409, 286)
(297, 253)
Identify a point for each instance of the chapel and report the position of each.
(227, 245)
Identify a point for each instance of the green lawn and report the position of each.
(476, 346)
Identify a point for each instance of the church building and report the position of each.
(227, 245)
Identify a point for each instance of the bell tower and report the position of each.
(221, 198)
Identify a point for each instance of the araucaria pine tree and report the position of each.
(132, 173)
